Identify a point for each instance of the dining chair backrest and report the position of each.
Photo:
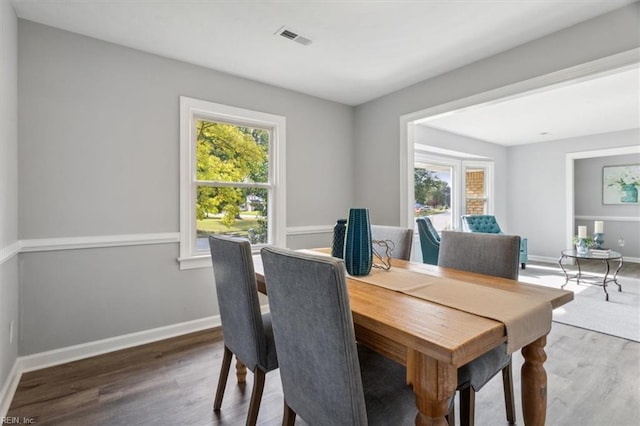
(489, 254)
(238, 302)
(402, 239)
(488, 224)
(313, 330)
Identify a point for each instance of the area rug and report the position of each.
(619, 317)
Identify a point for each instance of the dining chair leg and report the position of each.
(289, 416)
(467, 406)
(256, 396)
(222, 380)
(507, 383)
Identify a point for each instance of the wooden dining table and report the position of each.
(433, 340)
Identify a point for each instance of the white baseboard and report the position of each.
(98, 347)
(46, 359)
(9, 389)
(544, 259)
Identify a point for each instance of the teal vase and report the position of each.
(358, 255)
(337, 248)
(629, 194)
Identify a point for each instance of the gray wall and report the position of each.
(8, 187)
(588, 201)
(377, 131)
(99, 155)
(537, 195)
(498, 153)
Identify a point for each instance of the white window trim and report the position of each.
(455, 164)
(458, 181)
(190, 108)
(489, 182)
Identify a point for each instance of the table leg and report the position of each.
(604, 282)
(410, 366)
(566, 275)
(534, 383)
(615, 274)
(241, 371)
(434, 384)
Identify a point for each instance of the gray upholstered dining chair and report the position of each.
(328, 379)
(488, 254)
(247, 333)
(402, 239)
(488, 224)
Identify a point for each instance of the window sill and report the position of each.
(198, 261)
(195, 262)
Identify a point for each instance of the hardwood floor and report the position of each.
(593, 380)
(171, 382)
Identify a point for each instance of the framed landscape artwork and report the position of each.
(620, 184)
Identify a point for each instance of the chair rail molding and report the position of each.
(6, 253)
(97, 241)
(610, 218)
(307, 230)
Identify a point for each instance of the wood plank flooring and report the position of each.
(593, 379)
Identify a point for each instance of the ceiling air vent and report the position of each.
(288, 34)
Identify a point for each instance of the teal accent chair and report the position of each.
(487, 224)
(429, 241)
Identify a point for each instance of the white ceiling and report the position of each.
(360, 49)
(601, 104)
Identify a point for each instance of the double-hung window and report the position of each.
(232, 177)
(447, 187)
(478, 185)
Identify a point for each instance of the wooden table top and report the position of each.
(438, 331)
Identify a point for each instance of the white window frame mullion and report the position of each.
(278, 209)
(232, 184)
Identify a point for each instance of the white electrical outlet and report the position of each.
(11, 332)
(621, 242)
